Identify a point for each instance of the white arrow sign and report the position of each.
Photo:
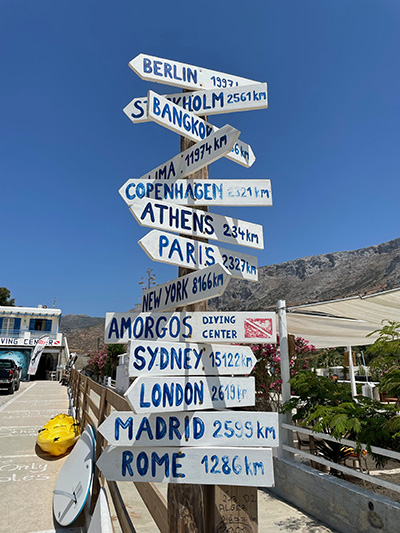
(188, 125)
(194, 287)
(159, 358)
(197, 156)
(208, 326)
(204, 466)
(182, 393)
(208, 428)
(174, 250)
(208, 102)
(199, 192)
(178, 74)
(195, 222)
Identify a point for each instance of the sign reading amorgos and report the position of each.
(208, 326)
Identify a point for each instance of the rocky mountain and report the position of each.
(306, 280)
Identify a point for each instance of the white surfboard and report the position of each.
(74, 480)
(100, 521)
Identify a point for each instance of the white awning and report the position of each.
(344, 322)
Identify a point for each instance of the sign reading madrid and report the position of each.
(198, 428)
(207, 326)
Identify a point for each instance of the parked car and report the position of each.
(10, 375)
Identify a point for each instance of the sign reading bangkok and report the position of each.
(188, 125)
(208, 326)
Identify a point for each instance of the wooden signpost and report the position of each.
(195, 222)
(210, 102)
(208, 457)
(200, 192)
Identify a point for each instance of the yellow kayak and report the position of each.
(58, 434)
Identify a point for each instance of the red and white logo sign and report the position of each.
(258, 327)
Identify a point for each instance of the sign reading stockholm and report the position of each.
(188, 125)
(199, 192)
(182, 75)
(225, 327)
(198, 428)
(208, 102)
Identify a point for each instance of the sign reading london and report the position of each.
(182, 75)
(199, 192)
(176, 250)
(189, 125)
(225, 327)
(195, 222)
(158, 358)
(208, 102)
(183, 393)
(186, 290)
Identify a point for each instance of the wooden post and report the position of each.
(209, 508)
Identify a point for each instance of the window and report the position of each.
(39, 324)
(10, 324)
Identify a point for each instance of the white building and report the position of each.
(22, 327)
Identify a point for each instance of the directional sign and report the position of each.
(194, 287)
(195, 222)
(208, 102)
(174, 250)
(197, 156)
(189, 125)
(159, 358)
(206, 466)
(202, 428)
(208, 326)
(182, 393)
(200, 192)
(169, 72)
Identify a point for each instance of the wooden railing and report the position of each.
(93, 403)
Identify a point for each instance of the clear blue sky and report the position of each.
(329, 141)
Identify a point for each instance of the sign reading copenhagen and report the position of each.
(188, 125)
(175, 250)
(183, 393)
(158, 358)
(205, 466)
(202, 428)
(208, 102)
(198, 156)
(182, 75)
(199, 192)
(194, 287)
(225, 327)
(195, 222)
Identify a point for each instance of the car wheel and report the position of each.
(11, 389)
